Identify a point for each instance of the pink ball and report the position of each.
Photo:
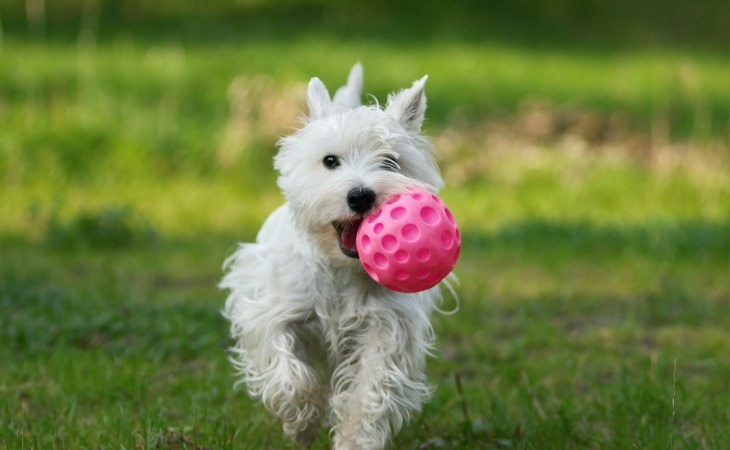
(410, 243)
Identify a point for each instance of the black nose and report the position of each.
(360, 200)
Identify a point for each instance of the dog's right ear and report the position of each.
(318, 99)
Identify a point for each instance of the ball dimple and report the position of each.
(378, 228)
(423, 254)
(436, 199)
(393, 199)
(429, 216)
(458, 236)
(447, 240)
(423, 273)
(380, 261)
(390, 242)
(398, 213)
(418, 196)
(401, 256)
(449, 216)
(410, 232)
(401, 275)
(374, 216)
(365, 243)
(433, 279)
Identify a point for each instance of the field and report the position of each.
(591, 184)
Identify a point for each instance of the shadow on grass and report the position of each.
(144, 300)
(541, 238)
(41, 317)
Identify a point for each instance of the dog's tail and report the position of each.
(348, 96)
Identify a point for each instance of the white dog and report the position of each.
(317, 340)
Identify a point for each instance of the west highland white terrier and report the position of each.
(317, 340)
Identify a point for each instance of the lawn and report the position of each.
(592, 189)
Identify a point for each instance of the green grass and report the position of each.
(566, 338)
(169, 101)
(594, 297)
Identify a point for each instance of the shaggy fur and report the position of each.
(317, 340)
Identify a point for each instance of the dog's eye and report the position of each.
(390, 164)
(331, 161)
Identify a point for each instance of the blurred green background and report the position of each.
(585, 146)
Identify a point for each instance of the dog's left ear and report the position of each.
(349, 94)
(318, 99)
(409, 106)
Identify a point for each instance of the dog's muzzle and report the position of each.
(360, 201)
(347, 236)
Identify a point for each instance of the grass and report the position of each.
(172, 98)
(594, 275)
(566, 338)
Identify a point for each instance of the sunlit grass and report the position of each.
(169, 106)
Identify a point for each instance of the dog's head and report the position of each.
(348, 158)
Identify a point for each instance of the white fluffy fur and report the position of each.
(317, 340)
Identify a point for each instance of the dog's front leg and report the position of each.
(379, 381)
(277, 372)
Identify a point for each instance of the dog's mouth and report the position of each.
(347, 235)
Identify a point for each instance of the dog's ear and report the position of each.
(409, 105)
(318, 99)
(349, 94)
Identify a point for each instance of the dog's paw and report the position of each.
(307, 437)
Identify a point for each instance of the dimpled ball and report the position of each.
(410, 243)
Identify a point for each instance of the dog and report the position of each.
(318, 341)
